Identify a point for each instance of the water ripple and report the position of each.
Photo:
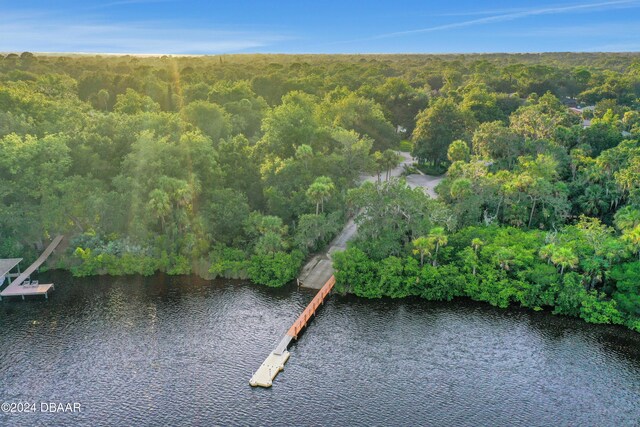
(179, 351)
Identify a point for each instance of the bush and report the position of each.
(315, 231)
(356, 273)
(434, 170)
(94, 263)
(595, 309)
(230, 263)
(406, 146)
(275, 269)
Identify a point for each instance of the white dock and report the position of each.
(22, 287)
(6, 265)
(273, 364)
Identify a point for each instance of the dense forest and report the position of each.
(244, 165)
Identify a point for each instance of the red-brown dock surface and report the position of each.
(316, 302)
(275, 361)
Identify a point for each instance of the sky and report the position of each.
(300, 26)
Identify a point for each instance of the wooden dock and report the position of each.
(6, 265)
(22, 286)
(274, 363)
(316, 302)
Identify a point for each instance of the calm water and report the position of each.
(161, 351)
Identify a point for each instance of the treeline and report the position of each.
(536, 209)
(146, 166)
(502, 267)
(243, 165)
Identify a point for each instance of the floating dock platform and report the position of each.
(274, 363)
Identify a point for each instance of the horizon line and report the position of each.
(45, 53)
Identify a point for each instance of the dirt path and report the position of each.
(320, 268)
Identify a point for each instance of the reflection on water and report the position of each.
(167, 351)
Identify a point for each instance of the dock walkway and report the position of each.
(274, 363)
(318, 274)
(19, 287)
(6, 265)
(319, 268)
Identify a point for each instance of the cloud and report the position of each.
(477, 12)
(503, 17)
(126, 3)
(591, 30)
(514, 14)
(56, 34)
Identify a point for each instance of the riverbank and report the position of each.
(564, 296)
(441, 363)
(541, 289)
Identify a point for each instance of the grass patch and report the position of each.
(433, 170)
(405, 146)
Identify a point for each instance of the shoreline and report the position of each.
(547, 311)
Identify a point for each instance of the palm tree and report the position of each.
(627, 218)
(160, 205)
(503, 257)
(476, 244)
(423, 246)
(547, 251)
(316, 193)
(304, 153)
(564, 257)
(632, 237)
(319, 191)
(593, 200)
(103, 99)
(329, 187)
(390, 159)
(439, 238)
(377, 163)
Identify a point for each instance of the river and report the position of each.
(180, 351)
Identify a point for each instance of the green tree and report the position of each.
(627, 293)
(458, 151)
(493, 140)
(159, 205)
(102, 98)
(390, 215)
(627, 218)
(632, 238)
(399, 100)
(482, 104)
(210, 118)
(131, 102)
(320, 191)
(547, 251)
(540, 118)
(349, 111)
(354, 149)
(304, 153)
(565, 258)
(390, 160)
(314, 231)
(275, 269)
(289, 125)
(439, 239)
(437, 127)
(423, 246)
